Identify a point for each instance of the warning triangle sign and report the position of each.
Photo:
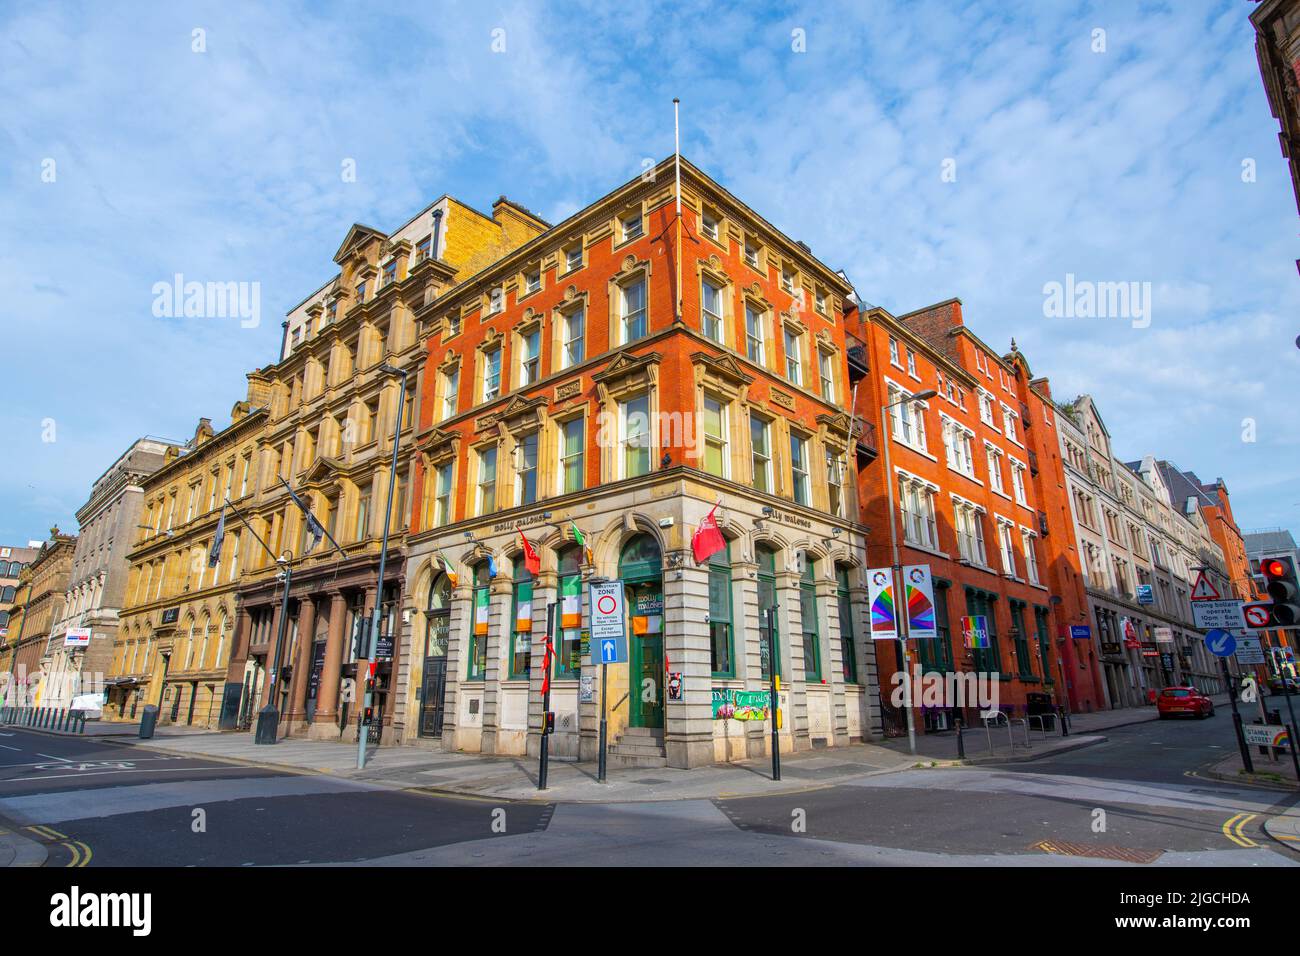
(1203, 590)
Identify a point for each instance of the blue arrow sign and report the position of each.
(609, 651)
(1220, 643)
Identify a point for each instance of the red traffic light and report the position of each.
(1274, 568)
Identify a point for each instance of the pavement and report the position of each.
(422, 768)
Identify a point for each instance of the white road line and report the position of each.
(7, 747)
(48, 757)
(100, 773)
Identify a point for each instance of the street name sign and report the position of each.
(1224, 615)
(1267, 735)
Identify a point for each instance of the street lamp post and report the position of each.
(895, 569)
(371, 639)
(268, 719)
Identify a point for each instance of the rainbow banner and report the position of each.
(880, 594)
(975, 632)
(920, 602)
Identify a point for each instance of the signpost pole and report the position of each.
(1290, 709)
(604, 724)
(1246, 762)
(774, 703)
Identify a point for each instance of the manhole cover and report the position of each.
(1098, 851)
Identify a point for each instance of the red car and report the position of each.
(1188, 701)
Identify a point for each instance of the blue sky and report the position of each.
(224, 165)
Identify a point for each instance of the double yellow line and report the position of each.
(80, 853)
(1233, 829)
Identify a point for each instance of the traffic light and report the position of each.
(368, 716)
(1283, 587)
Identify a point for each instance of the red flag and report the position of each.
(707, 540)
(546, 668)
(531, 560)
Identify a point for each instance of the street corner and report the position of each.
(1285, 829)
(17, 849)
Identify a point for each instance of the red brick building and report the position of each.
(978, 498)
(564, 393)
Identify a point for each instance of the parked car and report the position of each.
(92, 705)
(1283, 685)
(1184, 701)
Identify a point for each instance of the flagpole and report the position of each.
(302, 504)
(677, 167)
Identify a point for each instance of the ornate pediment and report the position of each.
(723, 368)
(837, 424)
(438, 446)
(522, 412)
(323, 473)
(627, 372)
(357, 238)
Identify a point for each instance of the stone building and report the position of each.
(176, 625)
(332, 403)
(1277, 47)
(1138, 553)
(38, 605)
(569, 393)
(108, 523)
(12, 561)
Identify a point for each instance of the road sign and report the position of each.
(1224, 615)
(1249, 650)
(608, 632)
(1203, 590)
(1220, 643)
(609, 651)
(1257, 614)
(1265, 735)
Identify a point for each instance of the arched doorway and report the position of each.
(640, 566)
(437, 637)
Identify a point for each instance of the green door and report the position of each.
(645, 628)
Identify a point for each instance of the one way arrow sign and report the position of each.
(609, 651)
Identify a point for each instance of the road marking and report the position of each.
(48, 757)
(7, 747)
(75, 855)
(100, 773)
(1233, 829)
(48, 832)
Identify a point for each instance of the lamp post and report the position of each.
(371, 639)
(895, 569)
(268, 719)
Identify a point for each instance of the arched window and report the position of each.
(437, 619)
(521, 628)
(848, 642)
(568, 655)
(203, 650)
(222, 650)
(640, 559)
(769, 640)
(189, 646)
(812, 653)
(720, 631)
(478, 632)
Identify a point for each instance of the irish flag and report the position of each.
(481, 597)
(524, 607)
(582, 543)
(571, 602)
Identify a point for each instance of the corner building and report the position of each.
(562, 390)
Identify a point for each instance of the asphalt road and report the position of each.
(96, 803)
(1134, 800)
